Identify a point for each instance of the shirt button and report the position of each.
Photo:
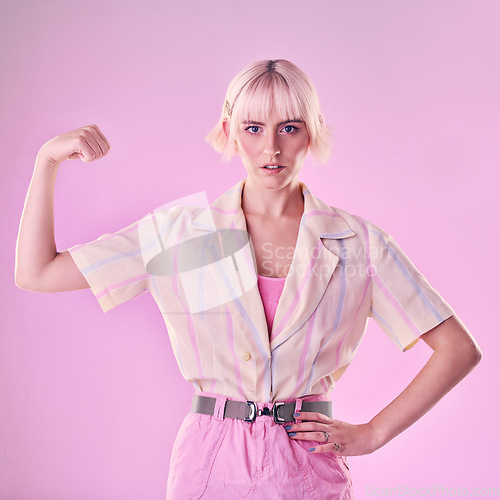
(246, 356)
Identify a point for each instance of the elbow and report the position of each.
(26, 282)
(27, 276)
(476, 355)
(471, 356)
(23, 284)
(20, 280)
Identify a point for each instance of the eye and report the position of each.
(290, 129)
(253, 129)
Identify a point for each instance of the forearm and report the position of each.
(39, 266)
(448, 365)
(36, 247)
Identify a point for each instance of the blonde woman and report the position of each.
(266, 294)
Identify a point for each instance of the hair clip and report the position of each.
(228, 108)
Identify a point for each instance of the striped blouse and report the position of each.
(198, 264)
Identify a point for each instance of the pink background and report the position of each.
(90, 403)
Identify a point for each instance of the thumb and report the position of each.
(76, 156)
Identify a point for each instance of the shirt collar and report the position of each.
(226, 211)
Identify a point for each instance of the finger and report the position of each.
(308, 426)
(88, 149)
(98, 130)
(95, 141)
(318, 436)
(101, 139)
(323, 448)
(84, 152)
(313, 416)
(98, 145)
(89, 141)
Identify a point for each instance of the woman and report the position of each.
(265, 293)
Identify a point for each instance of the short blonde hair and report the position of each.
(266, 86)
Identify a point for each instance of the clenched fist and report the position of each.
(87, 143)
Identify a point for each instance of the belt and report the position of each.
(247, 410)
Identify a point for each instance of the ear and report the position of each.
(226, 127)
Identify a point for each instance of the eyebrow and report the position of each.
(251, 122)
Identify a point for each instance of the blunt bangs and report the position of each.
(266, 87)
(269, 93)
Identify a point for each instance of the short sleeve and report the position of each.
(403, 303)
(113, 266)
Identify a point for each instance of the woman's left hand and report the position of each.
(344, 439)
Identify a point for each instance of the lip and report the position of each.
(273, 171)
(279, 167)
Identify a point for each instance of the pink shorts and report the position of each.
(217, 458)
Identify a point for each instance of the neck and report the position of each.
(286, 201)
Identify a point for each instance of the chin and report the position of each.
(275, 184)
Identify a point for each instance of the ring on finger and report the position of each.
(327, 436)
(336, 446)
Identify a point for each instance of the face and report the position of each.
(272, 151)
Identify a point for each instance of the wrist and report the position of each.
(44, 163)
(376, 436)
(46, 157)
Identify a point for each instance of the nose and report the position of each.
(272, 148)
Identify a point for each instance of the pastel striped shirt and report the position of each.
(199, 266)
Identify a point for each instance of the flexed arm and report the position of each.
(39, 266)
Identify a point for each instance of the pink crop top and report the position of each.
(270, 291)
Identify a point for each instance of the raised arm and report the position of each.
(39, 266)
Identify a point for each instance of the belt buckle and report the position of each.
(253, 412)
(277, 418)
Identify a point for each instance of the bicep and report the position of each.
(62, 275)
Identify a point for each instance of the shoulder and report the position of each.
(367, 233)
(359, 224)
